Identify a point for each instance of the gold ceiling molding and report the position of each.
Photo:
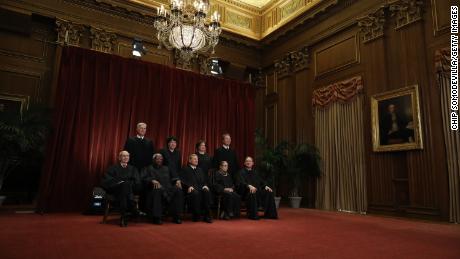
(244, 17)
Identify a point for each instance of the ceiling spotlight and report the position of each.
(138, 48)
(215, 67)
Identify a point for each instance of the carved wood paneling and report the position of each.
(372, 25)
(292, 62)
(102, 40)
(342, 53)
(24, 46)
(286, 109)
(69, 33)
(406, 12)
(272, 84)
(441, 16)
(15, 80)
(271, 123)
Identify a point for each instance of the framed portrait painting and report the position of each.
(396, 122)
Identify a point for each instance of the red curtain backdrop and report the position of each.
(100, 99)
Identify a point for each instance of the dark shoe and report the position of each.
(157, 221)
(226, 216)
(254, 218)
(177, 220)
(231, 215)
(207, 219)
(123, 221)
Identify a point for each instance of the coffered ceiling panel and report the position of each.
(255, 19)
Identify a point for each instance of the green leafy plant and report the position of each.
(268, 159)
(299, 161)
(23, 140)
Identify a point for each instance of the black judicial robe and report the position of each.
(204, 162)
(171, 160)
(194, 178)
(261, 197)
(161, 174)
(167, 194)
(116, 173)
(140, 152)
(199, 199)
(221, 182)
(251, 177)
(231, 200)
(122, 183)
(229, 155)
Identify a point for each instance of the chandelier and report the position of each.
(186, 28)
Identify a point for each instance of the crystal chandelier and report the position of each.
(186, 28)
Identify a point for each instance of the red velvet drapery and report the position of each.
(100, 99)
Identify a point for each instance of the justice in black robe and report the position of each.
(140, 152)
(171, 160)
(231, 200)
(204, 162)
(229, 155)
(122, 183)
(260, 198)
(199, 200)
(168, 196)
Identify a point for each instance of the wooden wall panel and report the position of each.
(405, 183)
(27, 59)
(338, 55)
(17, 81)
(441, 15)
(303, 108)
(271, 121)
(259, 106)
(22, 46)
(271, 84)
(286, 109)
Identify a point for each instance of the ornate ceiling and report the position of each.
(256, 3)
(255, 19)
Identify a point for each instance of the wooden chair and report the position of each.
(217, 198)
(109, 200)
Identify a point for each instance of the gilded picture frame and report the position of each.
(396, 121)
(12, 106)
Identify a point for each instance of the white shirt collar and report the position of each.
(139, 136)
(193, 167)
(226, 147)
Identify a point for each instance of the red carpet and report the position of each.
(299, 233)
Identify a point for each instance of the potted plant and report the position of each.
(299, 161)
(22, 140)
(268, 160)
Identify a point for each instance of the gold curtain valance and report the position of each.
(442, 60)
(342, 91)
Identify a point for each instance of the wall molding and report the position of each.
(292, 62)
(406, 12)
(372, 25)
